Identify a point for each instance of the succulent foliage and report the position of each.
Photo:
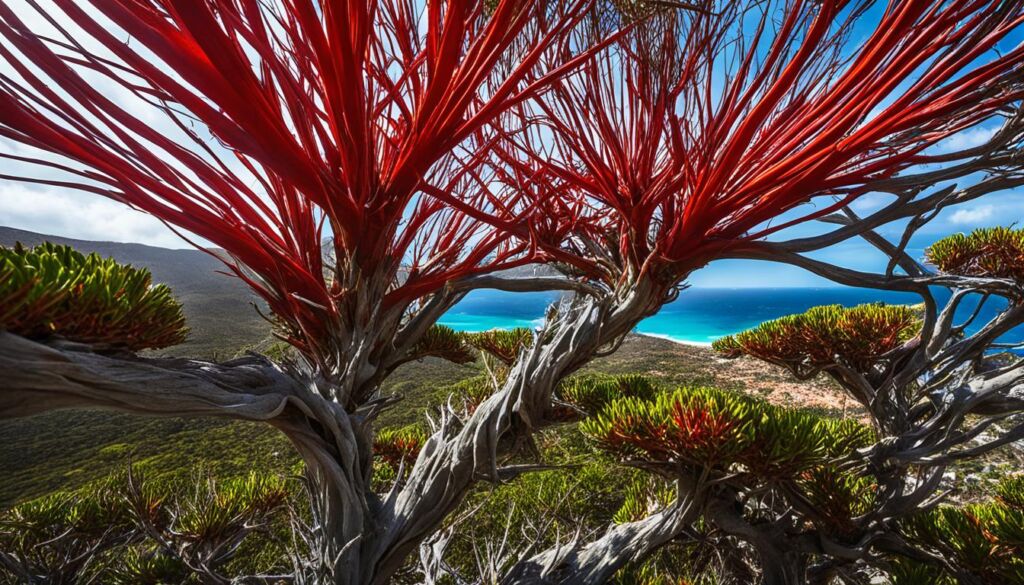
(837, 499)
(444, 342)
(989, 252)
(643, 497)
(707, 428)
(590, 393)
(471, 392)
(827, 335)
(984, 539)
(53, 290)
(126, 529)
(503, 344)
(396, 447)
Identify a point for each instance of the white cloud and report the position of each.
(80, 215)
(969, 138)
(870, 202)
(973, 215)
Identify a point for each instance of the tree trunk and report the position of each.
(336, 446)
(780, 564)
(359, 538)
(451, 463)
(598, 561)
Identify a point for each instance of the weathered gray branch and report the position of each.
(577, 563)
(526, 284)
(38, 377)
(1000, 158)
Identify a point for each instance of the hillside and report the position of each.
(65, 449)
(218, 307)
(45, 452)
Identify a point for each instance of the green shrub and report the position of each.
(147, 565)
(503, 344)
(643, 497)
(592, 392)
(903, 571)
(542, 508)
(445, 343)
(1011, 491)
(713, 429)
(471, 392)
(396, 447)
(53, 290)
(225, 506)
(990, 252)
(837, 498)
(142, 531)
(984, 539)
(825, 335)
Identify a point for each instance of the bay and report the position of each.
(699, 315)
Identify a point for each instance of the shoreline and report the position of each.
(536, 326)
(702, 344)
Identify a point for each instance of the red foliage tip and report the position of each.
(283, 121)
(703, 126)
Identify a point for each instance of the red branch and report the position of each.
(703, 126)
(336, 114)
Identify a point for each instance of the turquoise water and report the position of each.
(700, 315)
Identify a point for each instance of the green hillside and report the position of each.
(66, 449)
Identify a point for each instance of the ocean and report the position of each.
(698, 316)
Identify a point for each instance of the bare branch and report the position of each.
(40, 377)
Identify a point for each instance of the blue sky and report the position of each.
(1005, 208)
(60, 212)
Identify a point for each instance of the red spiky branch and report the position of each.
(332, 116)
(705, 125)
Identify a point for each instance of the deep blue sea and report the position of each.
(700, 315)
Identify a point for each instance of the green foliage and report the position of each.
(503, 344)
(576, 395)
(592, 392)
(444, 342)
(543, 506)
(146, 565)
(422, 385)
(471, 392)
(42, 519)
(712, 429)
(53, 290)
(825, 335)
(903, 571)
(222, 509)
(837, 499)
(1011, 491)
(990, 252)
(958, 531)
(131, 530)
(53, 537)
(984, 539)
(396, 447)
(642, 498)
(68, 449)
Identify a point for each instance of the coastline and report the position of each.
(702, 344)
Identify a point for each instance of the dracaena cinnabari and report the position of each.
(298, 125)
(709, 121)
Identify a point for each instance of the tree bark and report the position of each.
(38, 377)
(335, 446)
(780, 564)
(598, 561)
(452, 462)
